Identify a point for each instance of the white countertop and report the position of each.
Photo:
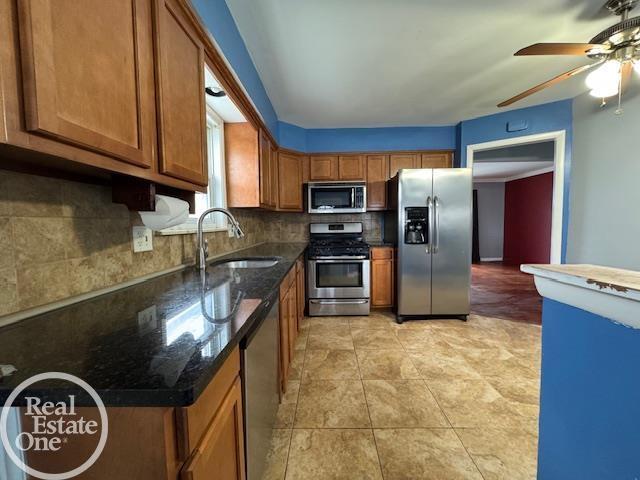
(612, 293)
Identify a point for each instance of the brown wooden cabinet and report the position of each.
(87, 75)
(274, 175)
(323, 168)
(95, 88)
(266, 170)
(382, 277)
(398, 161)
(244, 182)
(351, 167)
(289, 182)
(288, 323)
(437, 160)
(377, 175)
(180, 95)
(221, 452)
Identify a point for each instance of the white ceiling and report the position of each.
(506, 171)
(348, 63)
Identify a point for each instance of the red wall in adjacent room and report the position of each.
(527, 219)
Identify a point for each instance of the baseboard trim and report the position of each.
(491, 259)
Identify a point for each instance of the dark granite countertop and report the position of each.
(150, 344)
(381, 243)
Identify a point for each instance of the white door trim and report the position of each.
(559, 138)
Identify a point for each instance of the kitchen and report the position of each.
(248, 298)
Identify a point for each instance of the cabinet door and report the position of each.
(221, 452)
(292, 300)
(351, 167)
(274, 177)
(323, 167)
(284, 341)
(382, 283)
(377, 176)
(437, 160)
(399, 161)
(289, 182)
(265, 170)
(300, 291)
(180, 95)
(88, 75)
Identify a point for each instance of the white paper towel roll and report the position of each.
(169, 212)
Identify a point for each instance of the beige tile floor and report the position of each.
(435, 400)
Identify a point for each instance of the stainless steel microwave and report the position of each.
(337, 197)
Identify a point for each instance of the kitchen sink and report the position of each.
(263, 262)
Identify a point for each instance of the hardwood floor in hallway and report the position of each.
(436, 400)
(503, 291)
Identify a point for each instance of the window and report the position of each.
(216, 191)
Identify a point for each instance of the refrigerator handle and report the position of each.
(430, 223)
(436, 224)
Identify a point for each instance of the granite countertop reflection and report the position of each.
(158, 343)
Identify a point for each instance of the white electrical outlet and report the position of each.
(147, 320)
(142, 239)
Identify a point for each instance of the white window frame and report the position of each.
(214, 222)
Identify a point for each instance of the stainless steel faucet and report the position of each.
(201, 252)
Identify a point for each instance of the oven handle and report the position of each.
(338, 302)
(338, 259)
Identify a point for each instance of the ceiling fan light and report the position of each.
(605, 78)
(603, 93)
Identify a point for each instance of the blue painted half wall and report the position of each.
(589, 397)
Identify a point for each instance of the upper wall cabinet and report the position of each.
(266, 173)
(87, 75)
(398, 161)
(437, 160)
(180, 94)
(323, 168)
(241, 146)
(290, 182)
(377, 176)
(351, 167)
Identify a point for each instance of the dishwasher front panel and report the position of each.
(261, 391)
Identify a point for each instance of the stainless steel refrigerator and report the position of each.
(431, 222)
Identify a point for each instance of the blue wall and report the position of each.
(216, 16)
(590, 397)
(317, 140)
(548, 117)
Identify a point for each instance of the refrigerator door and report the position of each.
(451, 245)
(414, 260)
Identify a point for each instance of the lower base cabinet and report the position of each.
(221, 451)
(382, 277)
(292, 301)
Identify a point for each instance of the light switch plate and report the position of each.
(142, 239)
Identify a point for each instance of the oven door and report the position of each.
(338, 277)
(336, 199)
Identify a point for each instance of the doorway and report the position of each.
(519, 189)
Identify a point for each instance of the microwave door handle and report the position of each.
(429, 223)
(353, 197)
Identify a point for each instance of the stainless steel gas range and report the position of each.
(338, 270)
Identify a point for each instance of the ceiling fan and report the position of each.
(616, 51)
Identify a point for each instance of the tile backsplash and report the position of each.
(60, 239)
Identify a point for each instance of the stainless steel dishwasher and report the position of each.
(261, 389)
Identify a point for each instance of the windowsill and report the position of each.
(191, 230)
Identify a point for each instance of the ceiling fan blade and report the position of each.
(560, 49)
(548, 83)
